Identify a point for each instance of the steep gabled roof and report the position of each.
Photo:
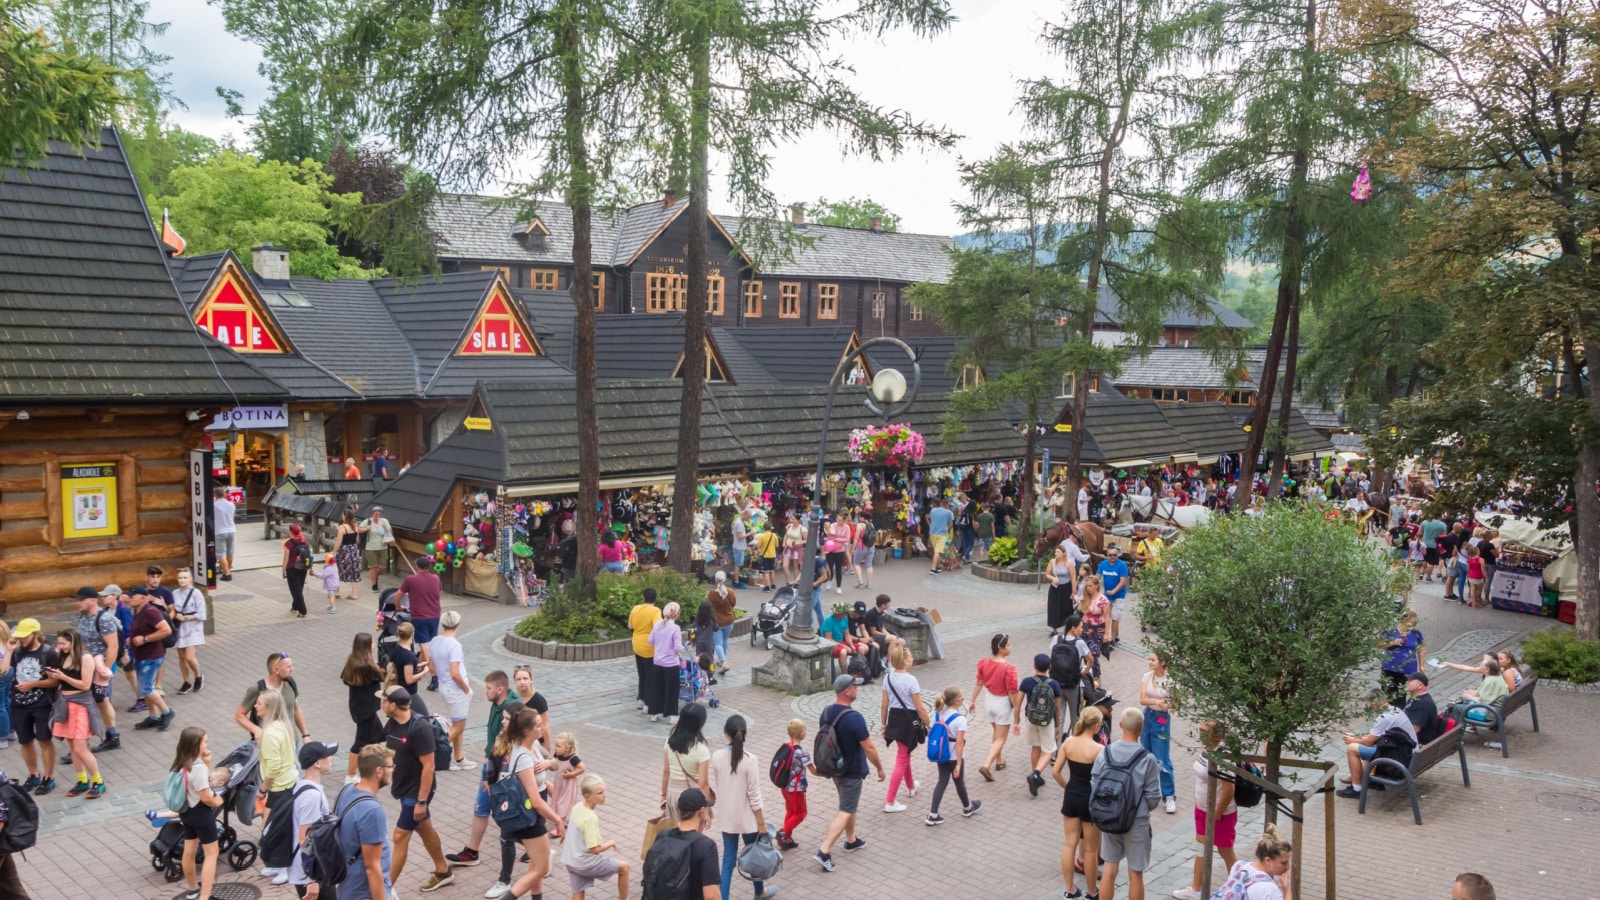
(435, 315)
(1121, 432)
(554, 320)
(473, 227)
(744, 369)
(347, 329)
(88, 310)
(1207, 427)
(413, 501)
(797, 356)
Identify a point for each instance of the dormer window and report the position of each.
(532, 236)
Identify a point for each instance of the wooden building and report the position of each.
(106, 386)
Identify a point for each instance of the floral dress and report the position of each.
(1094, 629)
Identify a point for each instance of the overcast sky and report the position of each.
(965, 80)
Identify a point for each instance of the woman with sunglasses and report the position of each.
(1002, 708)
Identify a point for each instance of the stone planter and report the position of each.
(557, 652)
(1592, 687)
(1005, 576)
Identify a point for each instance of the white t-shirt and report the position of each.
(1392, 718)
(309, 806)
(442, 651)
(1200, 778)
(956, 725)
(1074, 553)
(1261, 890)
(222, 514)
(199, 779)
(904, 689)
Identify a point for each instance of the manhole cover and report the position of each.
(1570, 802)
(231, 890)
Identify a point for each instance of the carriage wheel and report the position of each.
(157, 862)
(174, 870)
(226, 839)
(242, 855)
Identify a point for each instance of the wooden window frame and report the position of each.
(1164, 395)
(716, 294)
(971, 376)
(597, 283)
(664, 292)
(880, 304)
(554, 278)
(789, 296)
(828, 301)
(916, 313)
(753, 297)
(503, 270)
(1249, 398)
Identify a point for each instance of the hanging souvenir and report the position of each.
(1361, 190)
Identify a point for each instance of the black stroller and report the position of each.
(389, 620)
(238, 798)
(773, 616)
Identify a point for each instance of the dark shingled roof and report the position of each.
(1180, 367)
(637, 346)
(1207, 427)
(555, 320)
(349, 331)
(412, 501)
(1303, 439)
(88, 310)
(1122, 432)
(933, 355)
(799, 356)
(744, 368)
(1109, 310)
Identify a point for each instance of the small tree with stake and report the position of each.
(1264, 621)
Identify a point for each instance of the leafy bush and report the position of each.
(1003, 552)
(569, 620)
(1558, 653)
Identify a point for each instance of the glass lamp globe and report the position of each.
(888, 386)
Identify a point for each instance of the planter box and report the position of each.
(1005, 576)
(618, 649)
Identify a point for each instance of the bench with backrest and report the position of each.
(1496, 718)
(1389, 773)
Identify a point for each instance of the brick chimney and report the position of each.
(875, 224)
(270, 263)
(797, 214)
(668, 198)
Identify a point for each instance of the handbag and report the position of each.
(918, 731)
(760, 861)
(653, 828)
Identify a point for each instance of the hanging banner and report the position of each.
(202, 543)
(1517, 587)
(89, 501)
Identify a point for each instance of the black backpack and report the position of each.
(322, 854)
(22, 824)
(1397, 744)
(1066, 666)
(1246, 794)
(826, 754)
(300, 556)
(1115, 802)
(667, 866)
(782, 766)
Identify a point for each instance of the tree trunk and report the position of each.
(1273, 769)
(1280, 460)
(694, 330)
(1586, 512)
(580, 194)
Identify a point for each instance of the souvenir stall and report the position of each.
(1519, 581)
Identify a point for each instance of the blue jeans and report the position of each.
(612, 567)
(965, 539)
(720, 641)
(5, 704)
(816, 605)
(730, 857)
(1156, 739)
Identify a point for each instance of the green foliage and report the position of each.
(1003, 552)
(156, 150)
(1265, 621)
(568, 618)
(1560, 654)
(289, 127)
(49, 90)
(231, 201)
(855, 212)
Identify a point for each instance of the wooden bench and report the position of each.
(1389, 773)
(1496, 718)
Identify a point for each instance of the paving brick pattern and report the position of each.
(1541, 807)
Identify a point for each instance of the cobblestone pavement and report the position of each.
(1540, 807)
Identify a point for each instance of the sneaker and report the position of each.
(64, 760)
(1073, 894)
(192, 895)
(186, 688)
(672, 720)
(1349, 793)
(1186, 893)
(972, 810)
(199, 682)
(165, 720)
(1172, 805)
(31, 783)
(433, 684)
(146, 724)
(270, 872)
(437, 880)
(1035, 781)
(138, 706)
(933, 819)
(78, 789)
(111, 742)
(787, 843)
(853, 846)
(460, 765)
(1493, 745)
(330, 607)
(467, 857)
(825, 861)
(282, 877)
(352, 779)
(227, 578)
(96, 789)
(497, 890)
(911, 791)
(374, 589)
(894, 807)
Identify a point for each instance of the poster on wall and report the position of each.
(1517, 587)
(202, 540)
(89, 498)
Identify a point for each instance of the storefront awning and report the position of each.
(621, 482)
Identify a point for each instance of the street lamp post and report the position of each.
(890, 396)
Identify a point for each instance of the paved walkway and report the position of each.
(1541, 806)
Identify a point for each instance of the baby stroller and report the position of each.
(389, 620)
(773, 616)
(238, 798)
(694, 685)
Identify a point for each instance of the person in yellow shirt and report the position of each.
(767, 556)
(642, 619)
(583, 851)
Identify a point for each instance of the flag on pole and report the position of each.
(170, 236)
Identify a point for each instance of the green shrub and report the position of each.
(1003, 552)
(569, 620)
(1558, 653)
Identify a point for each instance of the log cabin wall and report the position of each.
(148, 447)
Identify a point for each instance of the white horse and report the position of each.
(1167, 510)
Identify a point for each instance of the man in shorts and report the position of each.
(1134, 846)
(497, 688)
(376, 553)
(1041, 738)
(1113, 572)
(33, 697)
(150, 627)
(411, 740)
(857, 749)
(420, 592)
(222, 514)
(102, 637)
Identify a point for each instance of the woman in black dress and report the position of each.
(1063, 579)
(363, 678)
(1077, 755)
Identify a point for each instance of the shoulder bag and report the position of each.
(904, 725)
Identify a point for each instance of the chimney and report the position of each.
(270, 263)
(875, 224)
(668, 198)
(797, 214)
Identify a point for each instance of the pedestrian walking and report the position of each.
(1042, 707)
(583, 850)
(497, 690)
(642, 620)
(420, 593)
(446, 656)
(795, 783)
(855, 751)
(145, 645)
(520, 735)
(102, 637)
(363, 680)
(1062, 575)
(794, 548)
(404, 668)
(693, 813)
(1405, 652)
(567, 769)
(1077, 756)
(1225, 814)
(375, 552)
(866, 550)
(1155, 695)
(411, 739)
(905, 723)
(522, 682)
(835, 547)
(1267, 876)
(940, 522)
(1092, 608)
(736, 793)
(329, 577)
(722, 601)
(1145, 780)
(685, 757)
(364, 828)
(279, 771)
(74, 718)
(224, 530)
(666, 643)
(1002, 707)
(280, 678)
(307, 804)
(1071, 665)
(347, 552)
(948, 741)
(189, 611)
(296, 567)
(199, 815)
(1113, 572)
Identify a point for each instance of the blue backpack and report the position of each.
(509, 804)
(942, 739)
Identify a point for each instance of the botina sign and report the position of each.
(245, 417)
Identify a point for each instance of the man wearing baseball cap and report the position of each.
(310, 803)
(33, 697)
(856, 749)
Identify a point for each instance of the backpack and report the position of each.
(300, 556)
(667, 866)
(1115, 802)
(826, 754)
(1398, 745)
(509, 804)
(171, 640)
(869, 536)
(1246, 794)
(22, 824)
(1239, 881)
(261, 685)
(175, 793)
(942, 740)
(1041, 708)
(1066, 665)
(782, 766)
(443, 755)
(322, 854)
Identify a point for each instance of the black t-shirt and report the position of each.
(400, 657)
(364, 702)
(704, 871)
(874, 620)
(1447, 543)
(29, 665)
(538, 704)
(1487, 551)
(411, 744)
(1424, 714)
(567, 552)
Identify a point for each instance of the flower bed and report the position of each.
(618, 649)
(567, 621)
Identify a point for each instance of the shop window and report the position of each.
(752, 300)
(880, 304)
(598, 280)
(379, 430)
(544, 279)
(916, 313)
(827, 301)
(714, 285)
(664, 291)
(788, 300)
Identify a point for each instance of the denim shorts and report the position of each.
(146, 671)
(480, 806)
(408, 820)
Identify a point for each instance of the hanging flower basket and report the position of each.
(888, 445)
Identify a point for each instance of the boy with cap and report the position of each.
(1041, 736)
(309, 804)
(33, 697)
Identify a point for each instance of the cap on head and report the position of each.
(1419, 677)
(294, 528)
(112, 590)
(313, 752)
(88, 593)
(25, 628)
(690, 802)
(138, 590)
(841, 683)
(376, 508)
(399, 697)
(860, 608)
